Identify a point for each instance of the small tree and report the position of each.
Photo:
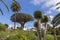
(15, 7)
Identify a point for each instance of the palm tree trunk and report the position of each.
(39, 30)
(45, 31)
(55, 38)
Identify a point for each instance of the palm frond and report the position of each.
(14, 0)
(1, 11)
(5, 4)
(58, 3)
(57, 7)
(56, 20)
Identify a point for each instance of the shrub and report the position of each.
(58, 37)
(50, 37)
(22, 35)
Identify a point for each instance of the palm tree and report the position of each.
(45, 20)
(38, 15)
(55, 22)
(5, 5)
(36, 26)
(15, 8)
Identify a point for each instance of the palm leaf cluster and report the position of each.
(45, 19)
(41, 18)
(56, 20)
(15, 6)
(38, 14)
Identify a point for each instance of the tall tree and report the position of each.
(38, 15)
(45, 20)
(21, 18)
(5, 6)
(15, 7)
(56, 22)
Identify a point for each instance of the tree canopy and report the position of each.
(21, 17)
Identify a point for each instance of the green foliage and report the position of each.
(7, 25)
(45, 19)
(58, 31)
(31, 36)
(15, 6)
(2, 27)
(58, 37)
(3, 35)
(21, 17)
(38, 14)
(50, 30)
(50, 37)
(22, 35)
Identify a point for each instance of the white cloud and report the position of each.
(51, 2)
(37, 2)
(47, 3)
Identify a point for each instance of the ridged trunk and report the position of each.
(39, 30)
(45, 31)
(55, 38)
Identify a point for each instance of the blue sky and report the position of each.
(48, 7)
